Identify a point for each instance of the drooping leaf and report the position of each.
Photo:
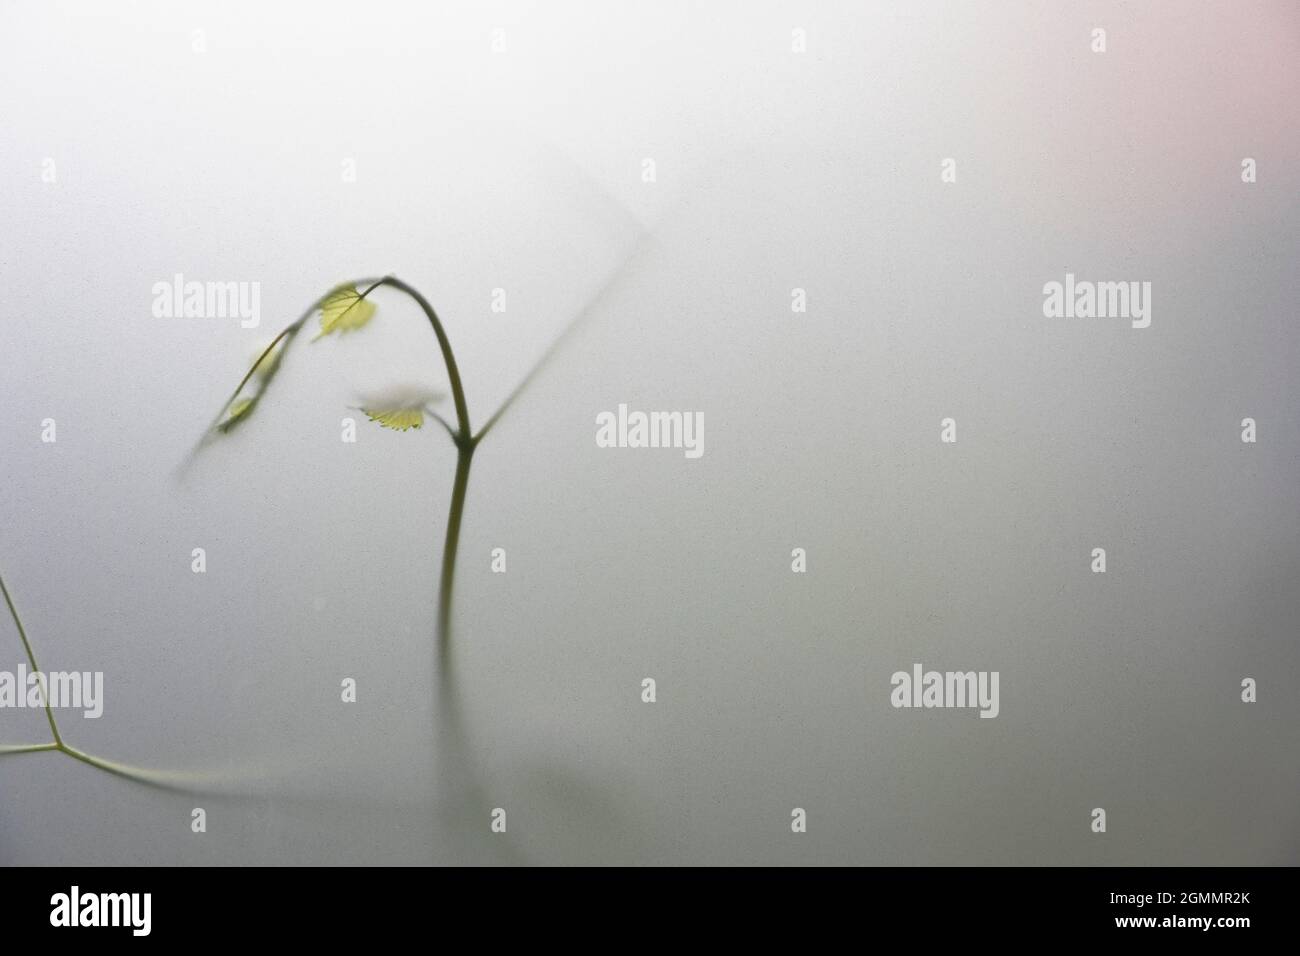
(398, 419)
(344, 310)
(401, 407)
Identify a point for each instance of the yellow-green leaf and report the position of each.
(344, 310)
(400, 407)
(240, 409)
(399, 419)
(265, 366)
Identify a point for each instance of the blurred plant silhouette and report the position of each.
(344, 310)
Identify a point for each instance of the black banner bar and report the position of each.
(334, 905)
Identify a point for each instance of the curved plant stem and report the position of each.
(465, 442)
(448, 358)
(462, 436)
(163, 780)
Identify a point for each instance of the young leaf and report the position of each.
(344, 310)
(402, 407)
(240, 409)
(398, 419)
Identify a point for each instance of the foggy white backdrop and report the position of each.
(522, 170)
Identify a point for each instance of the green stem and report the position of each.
(465, 441)
(122, 770)
(464, 457)
(453, 372)
(31, 659)
(27, 749)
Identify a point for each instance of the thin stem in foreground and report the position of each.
(27, 749)
(31, 659)
(166, 781)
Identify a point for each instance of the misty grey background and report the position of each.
(522, 170)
